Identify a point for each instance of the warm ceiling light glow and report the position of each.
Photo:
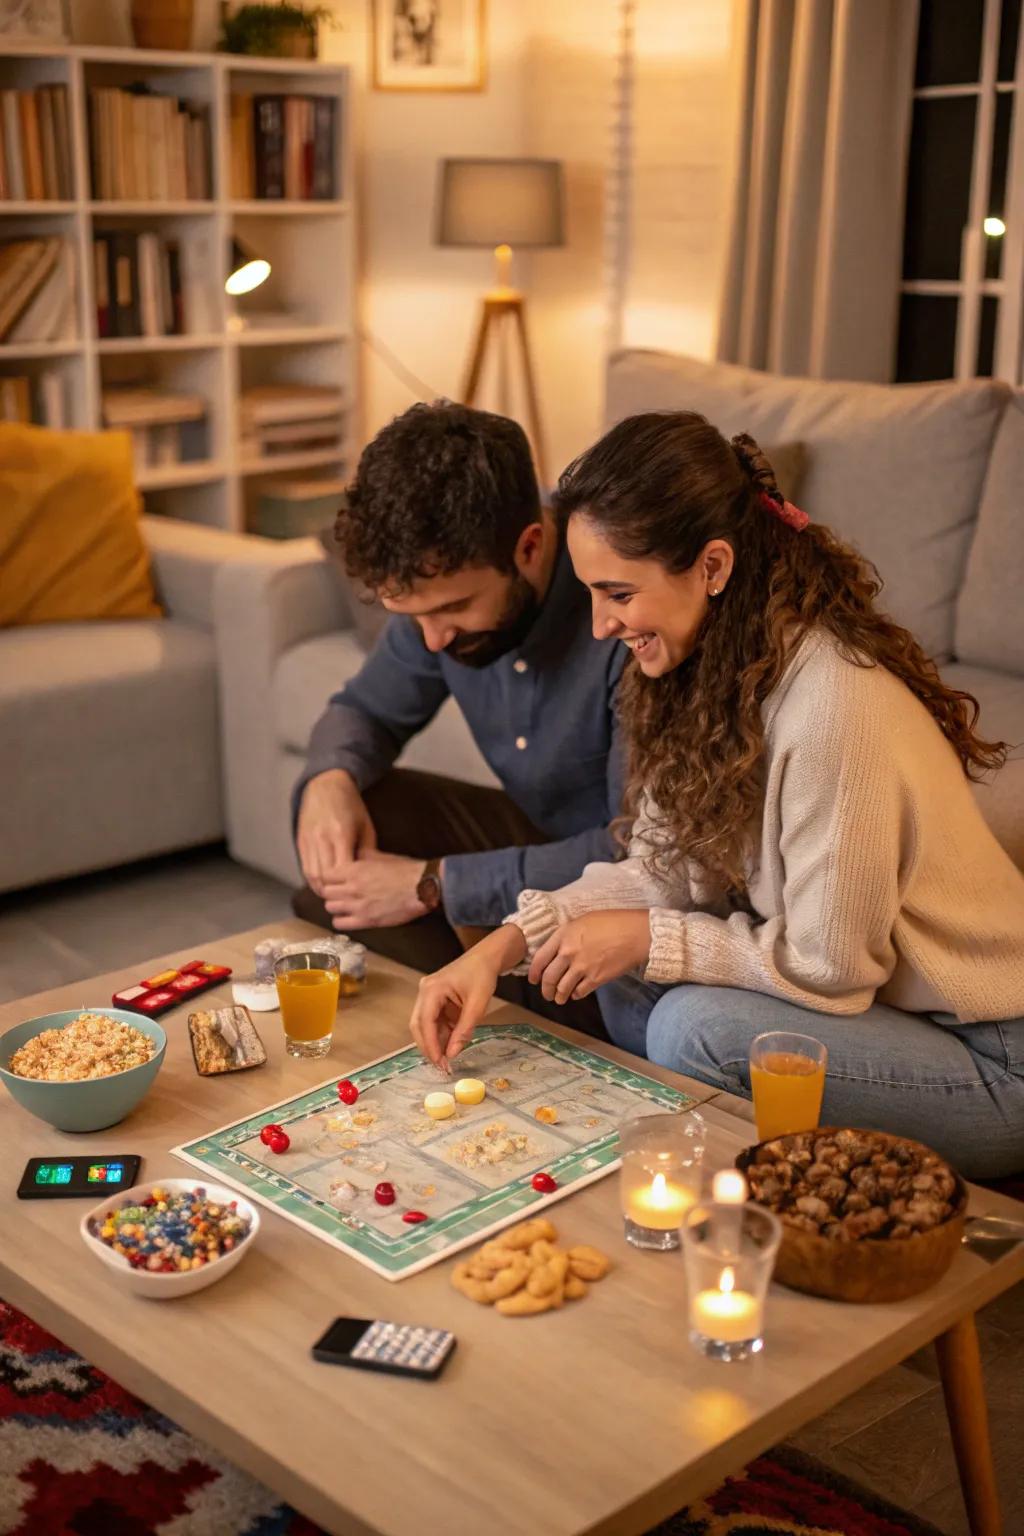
(248, 277)
(994, 226)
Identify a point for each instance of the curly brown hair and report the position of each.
(441, 487)
(659, 487)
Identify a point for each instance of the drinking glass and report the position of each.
(787, 1079)
(307, 986)
(729, 1254)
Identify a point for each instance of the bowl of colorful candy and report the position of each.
(171, 1237)
(83, 1069)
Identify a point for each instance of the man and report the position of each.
(443, 523)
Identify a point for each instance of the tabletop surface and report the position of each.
(596, 1418)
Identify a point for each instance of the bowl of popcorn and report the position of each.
(171, 1237)
(84, 1069)
(866, 1216)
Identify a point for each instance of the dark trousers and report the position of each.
(425, 816)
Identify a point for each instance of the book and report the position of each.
(65, 165)
(5, 181)
(48, 142)
(101, 285)
(24, 267)
(124, 282)
(269, 147)
(136, 406)
(139, 110)
(270, 403)
(323, 147)
(51, 401)
(12, 143)
(15, 399)
(50, 314)
(177, 325)
(150, 307)
(177, 166)
(241, 141)
(31, 146)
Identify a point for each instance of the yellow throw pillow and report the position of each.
(70, 543)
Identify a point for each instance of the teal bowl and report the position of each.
(96, 1103)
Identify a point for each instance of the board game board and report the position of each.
(470, 1175)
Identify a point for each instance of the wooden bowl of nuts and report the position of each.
(866, 1216)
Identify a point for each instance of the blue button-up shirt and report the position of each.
(556, 694)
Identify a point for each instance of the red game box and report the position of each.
(167, 989)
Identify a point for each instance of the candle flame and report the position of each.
(728, 1280)
(658, 1187)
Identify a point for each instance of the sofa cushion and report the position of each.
(989, 622)
(70, 545)
(1002, 719)
(111, 749)
(309, 673)
(895, 469)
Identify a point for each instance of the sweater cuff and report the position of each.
(538, 918)
(667, 962)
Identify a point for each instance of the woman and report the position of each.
(807, 852)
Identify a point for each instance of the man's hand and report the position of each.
(590, 951)
(334, 827)
(452, 1001)
(377, 892)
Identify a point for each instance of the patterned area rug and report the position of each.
(79, 1456)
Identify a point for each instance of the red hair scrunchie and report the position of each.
(785, 511)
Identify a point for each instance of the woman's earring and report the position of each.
(714, 591)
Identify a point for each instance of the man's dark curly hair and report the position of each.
(441, 487)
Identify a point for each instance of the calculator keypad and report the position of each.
(401, 1344)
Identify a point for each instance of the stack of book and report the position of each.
(37, 290)
(290, 418)
(166, 427)
(35, 145)
(147, 285)
(42, 404)
(283, 147)
(147, 148)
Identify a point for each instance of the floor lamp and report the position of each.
(502, 204)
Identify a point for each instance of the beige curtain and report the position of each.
(816, 233)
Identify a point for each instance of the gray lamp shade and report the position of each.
(500, 202)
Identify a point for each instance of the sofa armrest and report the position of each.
(186, 558)
(265, 606)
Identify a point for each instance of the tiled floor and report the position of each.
(892, 1436)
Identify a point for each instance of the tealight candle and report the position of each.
(660, 1179)
(726, 1315)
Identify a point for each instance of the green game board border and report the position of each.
(398, 1257)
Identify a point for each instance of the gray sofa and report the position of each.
(111, 730)
(926, 479)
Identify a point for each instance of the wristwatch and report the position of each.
(428, 887)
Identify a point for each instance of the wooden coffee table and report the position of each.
(598, 1418)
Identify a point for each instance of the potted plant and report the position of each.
(286, 30)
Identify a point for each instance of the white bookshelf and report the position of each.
(310, 245)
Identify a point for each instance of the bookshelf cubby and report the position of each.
(297, 329)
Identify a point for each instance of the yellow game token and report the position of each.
(439, 1105)
(469, 1090)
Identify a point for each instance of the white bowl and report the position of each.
(165, 1287)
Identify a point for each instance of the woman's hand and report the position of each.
(452, 1001)
(590, 951)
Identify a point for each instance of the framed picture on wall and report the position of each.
(428, 45)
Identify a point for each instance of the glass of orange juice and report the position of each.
(307, 986)
(787, 1078)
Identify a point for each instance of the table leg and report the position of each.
(964, 1391)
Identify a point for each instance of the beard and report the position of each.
(482, 647)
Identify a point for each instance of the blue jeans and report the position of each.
(957, 1087)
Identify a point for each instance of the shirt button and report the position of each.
(521, 743)
(519, 666)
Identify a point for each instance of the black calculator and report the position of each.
(75, 1178)
(399, 1348)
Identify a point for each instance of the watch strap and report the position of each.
(428, 887)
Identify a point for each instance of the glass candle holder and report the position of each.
(661, 1176)
(728, 1267)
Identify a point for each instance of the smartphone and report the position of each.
(399, 1348)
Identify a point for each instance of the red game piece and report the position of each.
(347, 1091)
(544, 1184)
(384, 1194)
(412, 1217)
(268, 1132)
(280, 1141)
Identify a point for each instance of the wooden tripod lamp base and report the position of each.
(503, 310)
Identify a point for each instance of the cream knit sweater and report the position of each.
(877, 876)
